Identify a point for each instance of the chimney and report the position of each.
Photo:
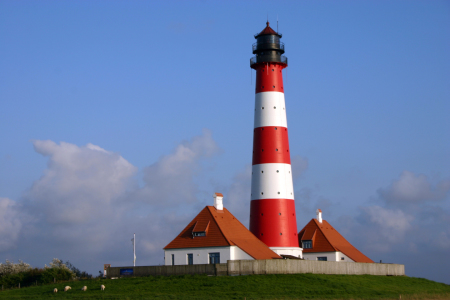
(319, 215)
(218, 201)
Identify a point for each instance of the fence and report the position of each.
(269, 266)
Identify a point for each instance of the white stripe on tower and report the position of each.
(272, 109)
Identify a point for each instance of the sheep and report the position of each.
(102, 287)
(84, 288)
(55, 290)
(67, 288)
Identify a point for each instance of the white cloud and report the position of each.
(409, 224)
(87, 205)
(414, 189)
(80, 182)
(443, 239)
(10, 223)
(171, 179)
(237, 200)
(390, 225)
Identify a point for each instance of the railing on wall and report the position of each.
(254, 60)
(268, 46)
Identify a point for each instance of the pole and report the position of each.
(134, 249)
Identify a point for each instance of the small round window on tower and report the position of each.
(278, 171)
(276, 149)
(262, 171)
(273, 86)
(274, 107)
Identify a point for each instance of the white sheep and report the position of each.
(55, 290)
(67, 288)
(102, 287)
(84, 288)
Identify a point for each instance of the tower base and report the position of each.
(294, 251)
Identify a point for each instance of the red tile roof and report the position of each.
(201, 226)
(267, 30)
(218, 194)
(223, 230)
(326, 239)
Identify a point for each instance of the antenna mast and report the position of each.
(277, 23)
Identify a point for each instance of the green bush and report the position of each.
(57, 271)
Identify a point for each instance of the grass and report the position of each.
(298, 286)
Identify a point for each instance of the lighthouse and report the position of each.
(272, 207)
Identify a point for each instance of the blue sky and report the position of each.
(126, 116)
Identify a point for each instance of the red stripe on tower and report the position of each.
(272, 209)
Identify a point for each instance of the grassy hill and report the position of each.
(298, 286)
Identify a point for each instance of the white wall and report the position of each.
(238, 254)
(201, 255)
(294, 251)
(331, 256)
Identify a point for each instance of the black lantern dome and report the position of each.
(268, 48)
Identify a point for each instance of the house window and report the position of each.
(307, 244)
(173, 259)
(342, 258)
(190, 259)
(322, 258)
(214, 258)
(199, 233)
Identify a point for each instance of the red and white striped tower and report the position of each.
(272, 208)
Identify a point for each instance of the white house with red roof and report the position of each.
(215, 236)
(320, 241)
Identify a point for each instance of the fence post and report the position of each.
(54, 280)
(19, 285)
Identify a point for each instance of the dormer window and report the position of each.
(199, 233)
(307, 244)
(200, 228)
